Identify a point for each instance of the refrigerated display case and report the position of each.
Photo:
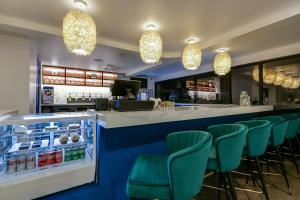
(47, 153)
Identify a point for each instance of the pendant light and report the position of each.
(79, 30)
(255, 73)
(288, 82)
(270, 76)
(222, 62)
(150, 45)
(296, 83)
(191, 55)
(280, 77)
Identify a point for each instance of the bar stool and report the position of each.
(179, 175)
(291, 133)
(258, 136)
(226, 152)
(298, 135)
(279, 126)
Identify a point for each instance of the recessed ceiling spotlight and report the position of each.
(223, 49)
(191, 40)
(81, 4)
(150, 25)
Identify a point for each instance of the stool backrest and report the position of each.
(229, 140)
(187, 162)
(293, 124)
(279, 127)
(258, 136)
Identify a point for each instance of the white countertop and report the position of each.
(113, 119)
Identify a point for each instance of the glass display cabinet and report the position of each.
(39, 151)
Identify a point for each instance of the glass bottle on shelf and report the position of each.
(69, 97)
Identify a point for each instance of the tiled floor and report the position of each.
(276, 187)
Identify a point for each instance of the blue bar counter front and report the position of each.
(119, 147)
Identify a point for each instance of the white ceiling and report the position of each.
(122, 21)
(243, 26)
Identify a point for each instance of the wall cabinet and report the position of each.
(52, 75)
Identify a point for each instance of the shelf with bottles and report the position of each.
(190, 84)
(52, 75)
(30, 147)
(53, 80)
(75, 73)
(108, 83)
(93, 82)
(206, 86)
(89, 74)
(75, 81)
(54, 71)
(110, 76)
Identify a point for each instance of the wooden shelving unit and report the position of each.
(53, 75)
(200, 85)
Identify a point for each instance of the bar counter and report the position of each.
(114, 119)
(125, 135)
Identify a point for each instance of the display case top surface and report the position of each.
(39, 118)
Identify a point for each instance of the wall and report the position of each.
(240, 82)
(14, 73)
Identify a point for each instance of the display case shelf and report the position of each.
(39, 165)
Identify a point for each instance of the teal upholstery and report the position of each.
(258, 136)
(292, 127)
(179, 175)
(228, 144)
(298, 130)
(278, 129)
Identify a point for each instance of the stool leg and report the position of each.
(282, 165)
(225, 187)
(230, 180)
(219, 185)
(294, 156)
(298, 143)
(262, 180)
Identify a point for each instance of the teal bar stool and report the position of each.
(279, 127)
(298, 135)
(179, 175)
(225, 155)
(258, 136)
(290, 135)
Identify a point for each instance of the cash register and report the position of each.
(125, 93)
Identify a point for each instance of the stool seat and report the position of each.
(177, 176)
(149, 177)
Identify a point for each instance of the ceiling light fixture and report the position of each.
(296, 83)
(79, 30)
(222, 62)
(150, 45)
(270, 76)
(280, 77)
(255, 73)
(191, 55)
(288, 82)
